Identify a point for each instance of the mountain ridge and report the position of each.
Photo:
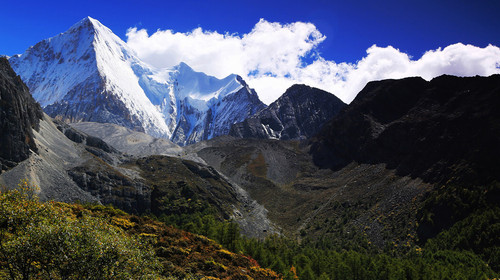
(436, 130)
(297, 114)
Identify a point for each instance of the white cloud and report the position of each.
(272, 57)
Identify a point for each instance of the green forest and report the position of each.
(54, 240)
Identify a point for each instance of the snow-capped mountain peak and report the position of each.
(205, 87)
(89, 74)
(86, 23)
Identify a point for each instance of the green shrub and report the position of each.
(47, 241)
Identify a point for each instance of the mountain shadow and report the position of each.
(438, 130)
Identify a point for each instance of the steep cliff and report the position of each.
(19, 115)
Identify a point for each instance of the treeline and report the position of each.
(309, 260)
(313, 263)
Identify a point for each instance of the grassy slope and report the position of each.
(179, 253)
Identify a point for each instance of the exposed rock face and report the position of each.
(182, 186)
(103, 107)
(19, 114)
(112, 187)
(79, 137)
(298, 114)
(435, 130)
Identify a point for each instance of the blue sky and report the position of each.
(351, 28)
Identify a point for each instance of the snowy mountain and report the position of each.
(89, 74)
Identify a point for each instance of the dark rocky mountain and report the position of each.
(445, 132)
(19, 115)
(437, 130)
(298, 114)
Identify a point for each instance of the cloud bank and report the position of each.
(273, 56)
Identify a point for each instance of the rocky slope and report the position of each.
(89, 74)
(73, 166)
(25, 127)
(353, 205)
(128, 141)
(19, 115)
(298, 114)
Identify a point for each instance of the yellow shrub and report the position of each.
(123, 223)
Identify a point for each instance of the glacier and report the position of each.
(89, 74)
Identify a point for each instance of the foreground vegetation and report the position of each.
(56, 240)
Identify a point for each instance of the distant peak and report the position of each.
(298, 86)
(241, 81)
(298, 89)
(88, 23)
(184, 68)
(183, 65)
(301, 91)
(93, 21)
(85, 22)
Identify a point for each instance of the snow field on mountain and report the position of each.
(88, 64)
